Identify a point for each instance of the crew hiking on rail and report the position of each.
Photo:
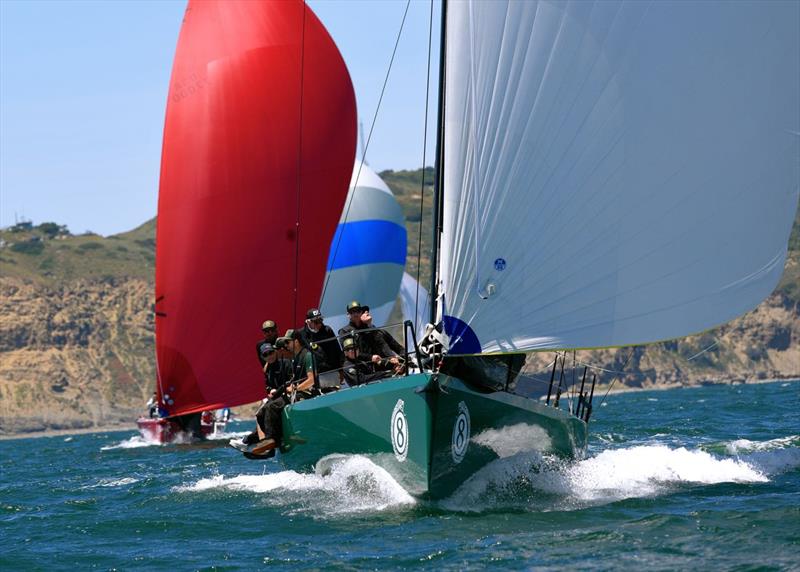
(307, 362)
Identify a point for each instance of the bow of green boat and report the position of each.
(431, 432)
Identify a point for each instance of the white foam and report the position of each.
(227, 435)
(350, 483)
(138, 441)
(132, 443)
(514, 439)
(546, 483)
(746, 446)
(112, 483)
(771, 457)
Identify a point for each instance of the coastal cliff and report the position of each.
(77, 346)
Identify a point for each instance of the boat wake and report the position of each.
(525, 480)
(132, 443)
(343, 484)
(533, 481)
(138, 441)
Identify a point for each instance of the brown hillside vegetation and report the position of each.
(77, 330)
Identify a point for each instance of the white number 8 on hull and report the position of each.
(461, 430)
(399, 431)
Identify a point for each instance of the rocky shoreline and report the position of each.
(77, 331)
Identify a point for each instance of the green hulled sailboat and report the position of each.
(609, 174)
(430, 431)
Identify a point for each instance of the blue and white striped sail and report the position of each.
(616, 173)
(368, 251)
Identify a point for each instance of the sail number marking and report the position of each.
(399, 431)
(461, 434)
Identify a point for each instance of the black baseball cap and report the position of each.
(314, 314)
(355, 306)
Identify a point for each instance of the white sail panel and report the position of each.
(368, 252)
(615, 173)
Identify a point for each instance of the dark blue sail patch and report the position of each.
(463, 339)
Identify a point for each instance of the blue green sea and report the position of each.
(672, 480)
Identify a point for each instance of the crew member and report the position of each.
(373, 344)
(356, 371)
(301, 386)
(315, 331)
(277, 370)
(270, 330)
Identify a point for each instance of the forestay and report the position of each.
(615, 173)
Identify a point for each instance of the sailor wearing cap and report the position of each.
(354, 310)
(269, 416)
(277, 369)
(374, 345)
(316, 332)
(356, 371)
(270, 330)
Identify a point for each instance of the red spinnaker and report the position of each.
(259, 143)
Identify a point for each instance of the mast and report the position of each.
(438, 183)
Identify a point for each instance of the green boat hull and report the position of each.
(431, 433)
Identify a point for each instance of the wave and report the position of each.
(112, 483)
(540, 482)
(227, 435)
(181, 439)
(132, 443)
(342, 484)
(519, 480)
(740, 446)
(771, 457)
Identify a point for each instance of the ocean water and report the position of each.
(672, 480)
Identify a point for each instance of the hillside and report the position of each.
(77, 330)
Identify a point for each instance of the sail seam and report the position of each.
(299, 168)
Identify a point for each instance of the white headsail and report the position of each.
(615, 173)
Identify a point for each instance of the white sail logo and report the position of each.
(461, 430)
(399, 431)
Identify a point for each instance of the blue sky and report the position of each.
(83, 88)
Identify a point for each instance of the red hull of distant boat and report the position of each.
(164, 430)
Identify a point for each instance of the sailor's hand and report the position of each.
(394, 361)
(376, 359)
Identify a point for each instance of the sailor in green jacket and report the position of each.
(301, 386)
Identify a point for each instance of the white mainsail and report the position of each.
(615, 173)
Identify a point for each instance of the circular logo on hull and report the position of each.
(399, 431)
(461, 429)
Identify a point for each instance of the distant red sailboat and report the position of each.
(259, 143)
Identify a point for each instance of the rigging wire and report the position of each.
(424, 154)
(630, 355)
(701, 352)
(366, 146)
